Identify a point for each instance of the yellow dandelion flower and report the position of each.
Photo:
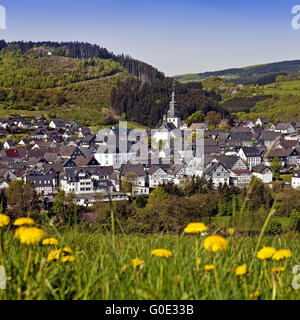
(54, 255)
(195, 227)
(282, 254)
(265, 253)
(68, 259)
(215, 243)
(278, 269)
(67, 250)
(137, 263)
(254, 294)
(209, 267)
(24, 221)
(50, 241)
(29, 235)
(4, 220)
(241, 270)
(161, 253)
(231, 231)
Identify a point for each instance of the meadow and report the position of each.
(103, 267)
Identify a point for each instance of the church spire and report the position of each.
(173, 106)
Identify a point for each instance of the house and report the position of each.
(139, 186)
(8, 144)
(263, 173)
(218, 173)
(44, 181)
(261, 122)
(55, 124)
(81, 180)
(284, 128)
(251, 155)
(3, 184)
(288, 157)
(269, 137)
(70, 152)
(296, 179)
(240, 177)
(157, 175)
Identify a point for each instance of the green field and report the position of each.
(283, 88)
(102, 268)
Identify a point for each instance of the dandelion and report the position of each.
(231, 231)
(209, 267)
(215, 243)
(54, 255)
(67, 259)
(278, 269)
(265, 253)
(50, 241)
(241, 270)
(29, 235)
(137, 263)
(195, 227)
(254, 294)
(67, 250)
(4, 220)
(282, 254)
(162, 253)
(24, 221)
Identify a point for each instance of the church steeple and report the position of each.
(173, 106)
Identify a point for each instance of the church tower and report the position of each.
(173, 114)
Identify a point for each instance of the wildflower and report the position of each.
(125, 267)
(254, 294)
(162, 253)
(282, 254)
(54, 255)
(241, 270)
(209, 267)
(215, 243)
(265, 253)
(29, 235)
(137, 263)
(24, 221)
(278, 269)
(67, 259)
(50, 241)
(67, 250)
(231, 231)
(4, 220)
(195, 227)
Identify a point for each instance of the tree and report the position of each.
(22, 198)
(213, 118)
(275, 167)
(64, 207)
(129, 182)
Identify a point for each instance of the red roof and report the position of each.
(12, 153)
(241, 171)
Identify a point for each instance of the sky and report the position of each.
(175, 36)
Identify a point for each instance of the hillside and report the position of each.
(57, 81)
(56, 86)
(245, 75)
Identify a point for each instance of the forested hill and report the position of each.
(80, 50)
(246, 75)
(90, 84)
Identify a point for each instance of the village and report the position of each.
(61, 155)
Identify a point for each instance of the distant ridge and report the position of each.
(246, 75)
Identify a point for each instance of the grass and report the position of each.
(102, 268)
(284, 88)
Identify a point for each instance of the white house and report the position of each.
(263, 173)
(296, 179)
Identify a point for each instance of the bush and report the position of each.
(274, 228)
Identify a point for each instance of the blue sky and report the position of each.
(176, 36)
